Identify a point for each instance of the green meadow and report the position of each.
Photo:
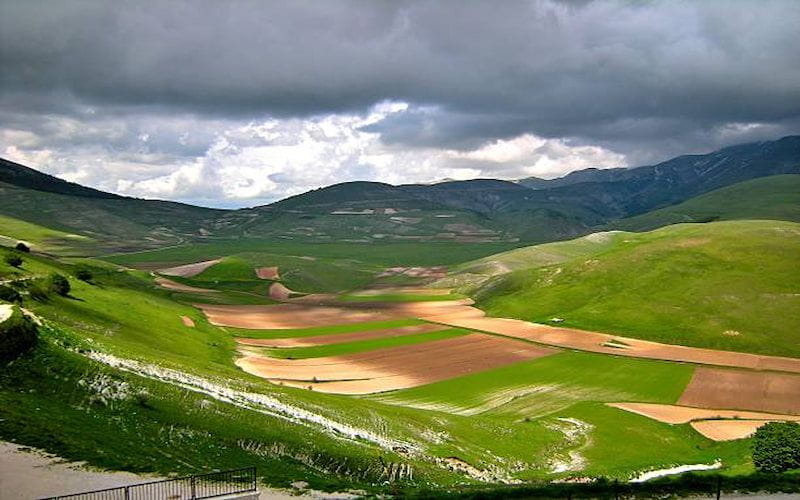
(550, 384)
(375, 254)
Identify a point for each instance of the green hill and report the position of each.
(724, 285)
(776, 198)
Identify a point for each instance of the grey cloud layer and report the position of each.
(645, 79)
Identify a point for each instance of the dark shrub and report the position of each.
(776, 447)
(59, 284)
(13, 260)
(37, 291)
(9, 294)
(22, 247)
(84, 274)
(17, 335)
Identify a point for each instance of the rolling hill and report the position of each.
(776, 197)
(475, 211)
(724, 285)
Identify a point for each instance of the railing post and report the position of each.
(127, 493)
(719, 486)
(194, 492)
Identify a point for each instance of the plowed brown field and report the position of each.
(741, 389)
(397, 367)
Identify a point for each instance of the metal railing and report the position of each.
(211, 485)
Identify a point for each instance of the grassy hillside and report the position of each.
(475, 272)
(119, 381)
(724, 285)
(39, 238)
(776, 198)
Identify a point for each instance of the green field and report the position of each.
(376, 254)
(364, 345)
(724, 285)
(38, 237)
(550, 384)
(324, 330)
(400, 297)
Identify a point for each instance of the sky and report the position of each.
(241, 103)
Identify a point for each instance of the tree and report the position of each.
(776, 447)
(17, 335)
(13, 260)
(9, 294)
(22, 247)
(59, 284)
(84, 274)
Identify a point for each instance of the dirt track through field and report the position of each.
(395, 368)
(189, 270)
(340, 338)
(746, 390)
(180, 287)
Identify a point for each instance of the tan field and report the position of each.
(674, 414)
(740, 389)
(397, 367)
(340, 338)
(189, 270)
(180, 287)
(277, 291)
(727, 430)
(187, 321)
(267, 273)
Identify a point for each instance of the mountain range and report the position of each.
(530, 210)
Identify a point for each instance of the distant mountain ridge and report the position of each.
(530, 210)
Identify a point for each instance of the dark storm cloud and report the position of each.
(643, 78)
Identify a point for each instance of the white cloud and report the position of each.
(238, 164)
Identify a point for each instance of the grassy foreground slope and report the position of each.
(118, 380)
(724, 285)
(776, 197)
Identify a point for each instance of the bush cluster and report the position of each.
(776, 447)
(13, 259)
(9, 294)
(59, 284)
(18, 334)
